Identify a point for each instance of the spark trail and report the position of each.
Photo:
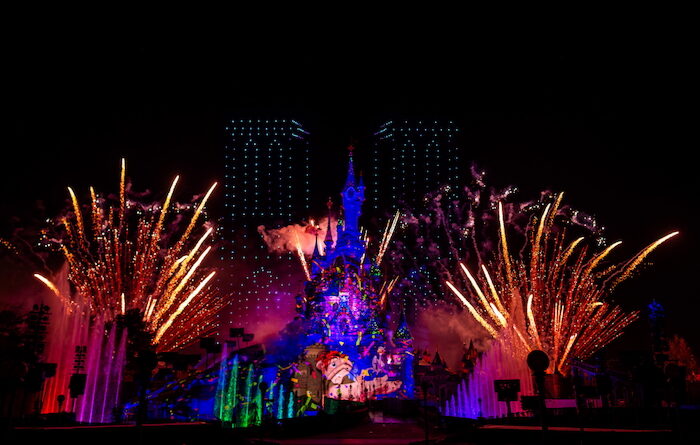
(124, 260)
(553, 292)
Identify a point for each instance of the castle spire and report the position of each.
(350, 181)
(471, 351)
(437, 360)
(316, 257)
(349, 243)
(316, 253)
(329, 236)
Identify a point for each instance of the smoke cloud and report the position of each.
(445, 328)
(284, 239)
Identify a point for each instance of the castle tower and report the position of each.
(349, 243)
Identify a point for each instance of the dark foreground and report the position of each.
(365, 428)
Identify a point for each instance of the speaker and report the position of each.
(207, 342)
(77, 385)
(49, 370)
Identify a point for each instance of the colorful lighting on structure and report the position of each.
(349, 340)
(418, 156)
(267, 171)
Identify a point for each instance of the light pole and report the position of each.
(538, 361)
(425, 385)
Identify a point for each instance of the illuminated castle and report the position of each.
(340, 299)
(344, 313)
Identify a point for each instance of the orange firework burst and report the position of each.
(553, 296)
(124, 260)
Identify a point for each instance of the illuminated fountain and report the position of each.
(244, 397)
(475, 396)
(72, 328)
(105, 367)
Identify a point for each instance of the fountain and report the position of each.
(260, 394)
(106, 354)
(67, 330)
(475, 396)
(245, 419)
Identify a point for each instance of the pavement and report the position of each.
(571, 429)
(369, 433)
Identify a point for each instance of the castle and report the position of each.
(349, 343)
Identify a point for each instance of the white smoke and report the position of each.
(285, 239)
(443, 327)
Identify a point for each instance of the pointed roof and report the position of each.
(437, 360)
(316, 253)
(402, 332)
(471, 353)
(350, 181)
(374, 328)
(329, 236)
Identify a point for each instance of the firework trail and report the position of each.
(438, 232)
(386, 289)
(123, 261)
(458, 223)
(552, 297)
(386, 237)
(302, 258)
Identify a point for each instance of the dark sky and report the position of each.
(606, 116)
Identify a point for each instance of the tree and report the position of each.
(680, 352)
(18, 358)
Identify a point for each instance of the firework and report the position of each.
(386, 290)
(452, 224)
(124, 260)
(551, 296)
(48, 284)
(302, 258)
(386, 237)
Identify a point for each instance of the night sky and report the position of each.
(607, 119)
